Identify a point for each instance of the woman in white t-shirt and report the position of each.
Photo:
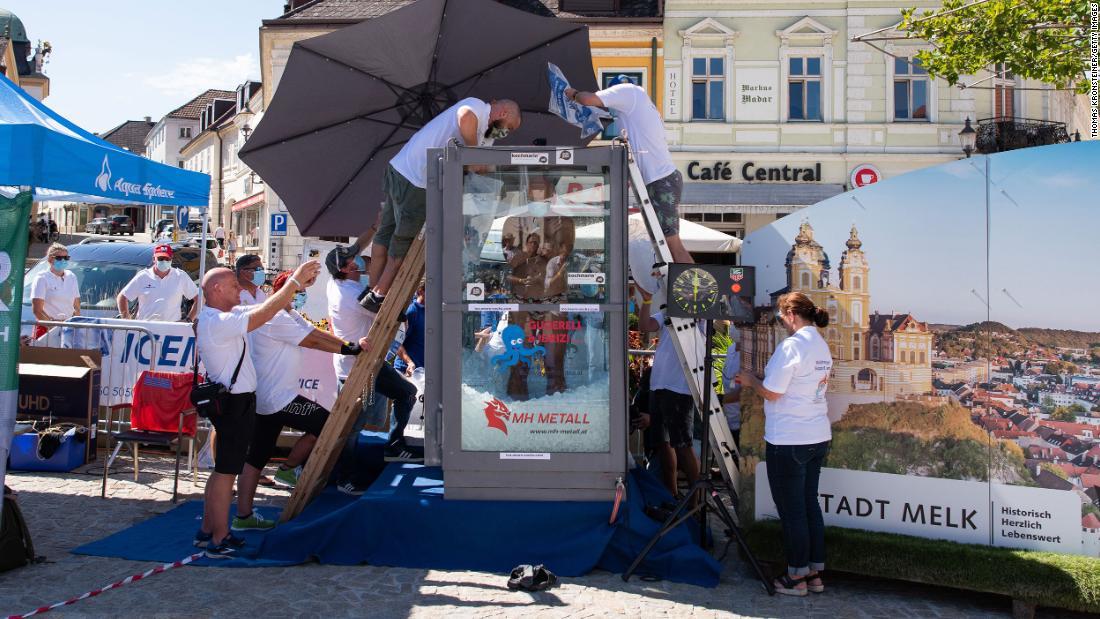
(797, 435)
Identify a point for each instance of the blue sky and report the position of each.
(924, 238)
(127, 59)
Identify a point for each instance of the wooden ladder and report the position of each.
(349, 402)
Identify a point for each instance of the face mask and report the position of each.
(60, 265)
(360, 264)
(589, 290)
(258, 277)
(299, 301)
(164, 265)
(497, 132)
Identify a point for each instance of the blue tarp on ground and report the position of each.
(64, 162)
(403, 521)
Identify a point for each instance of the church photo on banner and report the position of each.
(965, 390)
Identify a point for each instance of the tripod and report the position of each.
(708, 494)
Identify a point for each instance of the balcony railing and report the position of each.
(1000, 134)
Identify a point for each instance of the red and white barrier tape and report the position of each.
(92, 594)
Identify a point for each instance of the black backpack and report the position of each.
(16, 548)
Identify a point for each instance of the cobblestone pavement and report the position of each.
(65, 511)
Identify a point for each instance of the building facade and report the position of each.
(172, 132)
(625, 36)
(770, 107)
(236, 194)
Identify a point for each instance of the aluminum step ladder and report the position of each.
(689, 343)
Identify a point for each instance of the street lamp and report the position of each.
(246, 131)
(967, 138)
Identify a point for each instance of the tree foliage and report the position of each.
(1046, 40)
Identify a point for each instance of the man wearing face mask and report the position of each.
(472, 122)
(251, 275)
(350, 321)
(276, 354)
(55, 294)
(159, 290)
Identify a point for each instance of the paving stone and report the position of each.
(65, 511)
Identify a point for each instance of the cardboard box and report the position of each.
(60, 385)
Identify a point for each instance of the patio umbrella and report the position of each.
(349, 100)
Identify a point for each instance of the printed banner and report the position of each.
(966, 363)
(950, 509)
(14, 217)
(583, 116)
(126, 353)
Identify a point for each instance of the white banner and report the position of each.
(126, 355)
(970, 512)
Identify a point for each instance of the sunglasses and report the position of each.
(60, 257)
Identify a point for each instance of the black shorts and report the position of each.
(301, 414)
(234, 433)
(677, 413)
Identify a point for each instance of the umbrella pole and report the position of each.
(202, 255)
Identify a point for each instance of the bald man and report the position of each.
(472, 122)
(220, 331)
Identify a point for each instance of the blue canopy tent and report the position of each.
(49, 158)
(61, 161)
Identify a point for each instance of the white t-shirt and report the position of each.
(667, 372)
(412, 161)
(58, 293)
(159, 298)
(729, 371)
(248, 299)
(644, 128)
(278, 360)
(219, 233)
(555, 264)
(349, 320)
(221, 337)
(799, 369)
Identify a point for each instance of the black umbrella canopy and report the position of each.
(348, 101)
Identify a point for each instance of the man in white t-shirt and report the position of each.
(251, 275)
(55, 295)
(159, 290)
(645, 130)
(673, 403)
(221, 331)
(350, 321)
(219, 236)
(276, 353)
(472, 122)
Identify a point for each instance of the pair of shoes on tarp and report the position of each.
(532, 578)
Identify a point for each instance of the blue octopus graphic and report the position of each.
(514, 351)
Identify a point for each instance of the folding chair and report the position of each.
(161, 405)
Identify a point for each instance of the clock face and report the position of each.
(695, 291)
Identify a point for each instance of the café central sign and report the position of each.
(721, 171)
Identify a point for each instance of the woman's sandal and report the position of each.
(789, 586)
(814, 583)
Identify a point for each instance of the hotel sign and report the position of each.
(749, 171)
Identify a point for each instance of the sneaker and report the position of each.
(202, 540)
(224, 550)
(351, 489)
(403, 453)
(255, 522)
(372, 302)
(288, 478)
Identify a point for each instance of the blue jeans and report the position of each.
(390, 384)
(793, 475)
